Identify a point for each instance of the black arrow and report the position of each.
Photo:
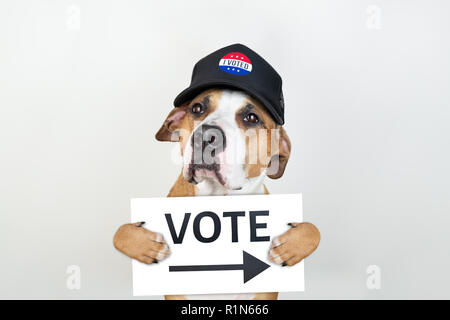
(251, 266)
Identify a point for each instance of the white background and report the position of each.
(367, 111)
(156, 278)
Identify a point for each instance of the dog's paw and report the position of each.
(295, 244)
(141, 244)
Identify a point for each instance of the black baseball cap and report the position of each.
(239, 67)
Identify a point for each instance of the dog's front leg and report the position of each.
(295, 244)
(141, 244)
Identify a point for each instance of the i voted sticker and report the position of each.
(235, 63)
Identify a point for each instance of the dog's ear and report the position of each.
(278, 162)
(169, 130)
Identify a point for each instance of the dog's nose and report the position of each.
(208, 139)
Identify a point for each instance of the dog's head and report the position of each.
(227, 136)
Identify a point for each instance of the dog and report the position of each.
(219, 119)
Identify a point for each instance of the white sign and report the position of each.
(218, 244)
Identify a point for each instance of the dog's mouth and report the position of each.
(199, 172)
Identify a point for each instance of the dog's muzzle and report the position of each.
(208, 142)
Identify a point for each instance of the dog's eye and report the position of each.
(197, 108)
(252, 118)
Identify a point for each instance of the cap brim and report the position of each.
(194, 90)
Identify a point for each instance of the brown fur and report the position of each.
(182, 188)
(138, 243)
(252, 141)
(296, 244)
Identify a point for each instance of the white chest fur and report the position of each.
(209, 187)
